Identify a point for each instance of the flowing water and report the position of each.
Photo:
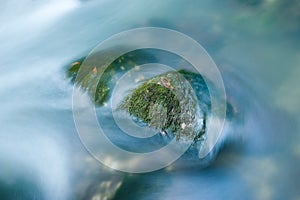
(254, 44)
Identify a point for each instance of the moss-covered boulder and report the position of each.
(170, 104)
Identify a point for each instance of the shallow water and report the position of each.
(255, 46)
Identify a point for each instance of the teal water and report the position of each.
(255, 46)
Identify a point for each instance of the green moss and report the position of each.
(99, 88)
(155, 105)
(73, 69)
(166, 102)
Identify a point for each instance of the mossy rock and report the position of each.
(169, 103)
(99, 88)
(176, 102)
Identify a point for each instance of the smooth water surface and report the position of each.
(255, 46)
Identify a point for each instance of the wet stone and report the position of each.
(169, 103)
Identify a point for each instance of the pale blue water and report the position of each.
(254, 44)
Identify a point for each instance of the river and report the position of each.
(254, 43)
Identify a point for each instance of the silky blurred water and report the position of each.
(255, 44)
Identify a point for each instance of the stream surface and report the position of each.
(254, 43)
